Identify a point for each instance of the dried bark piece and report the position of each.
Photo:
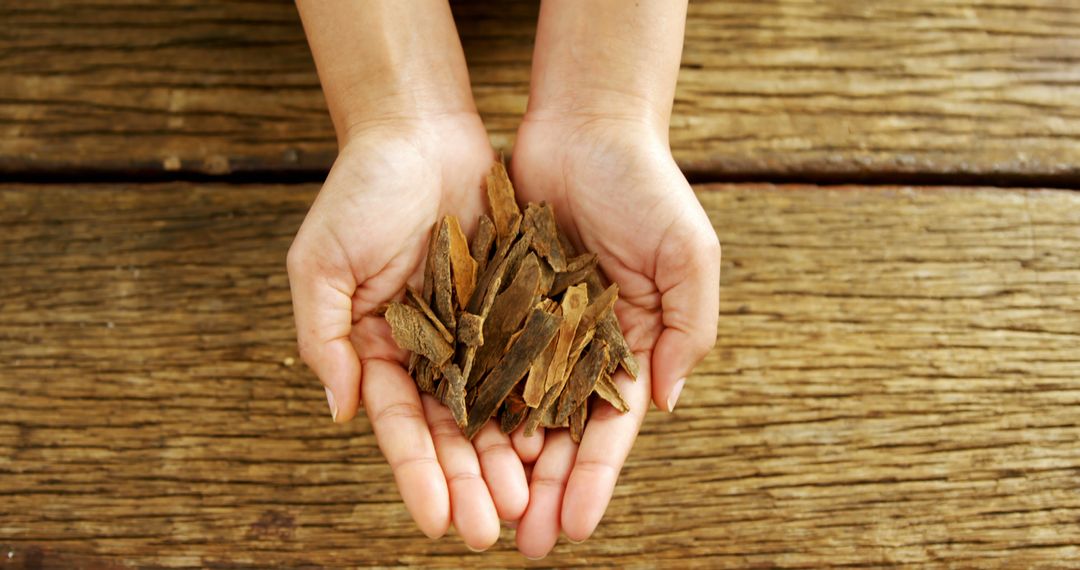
(461, 261)
(483, 309)
(582, 379)
(540, 327)
(454, 398)
(576, 271)
(548, 420)
(608, 329)
(513, 412)
(538, 372)
(413, 331)
(470, 329)
(429, 267)
(444, 302)
(495, 273)
(507, 312)
(480, 248)
(418, 301)
(606, 389)
(425, 375)
(504, 209)
(545, 240)
(602, 303)
(547, 278)
(545, 409)
(577, 422)
(574, 304)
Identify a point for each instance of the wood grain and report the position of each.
(896, 382)
(982, 88)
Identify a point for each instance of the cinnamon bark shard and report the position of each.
(480, 248)
(443, 288)
(413, 331)
(576, 271)
(606, 389)
(545, 240)
(507, 312)
(470, 329)
(538, 372)
(504, 208)
(574, 304)
(462, 264)
(607, 328)
(418, 301)
(577, 422)
(513, 412)
(455, 395)
(582, 379)
(540, 327)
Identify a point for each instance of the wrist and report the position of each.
(615, 110)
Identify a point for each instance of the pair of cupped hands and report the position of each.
(616, 191)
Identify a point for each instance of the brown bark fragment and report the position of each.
(413, 296)
(574, 304)
(454, 397)
(480, 248)
(513, 412)
(413, 331)
(577, 422)
(538, 373)
(444, 302)
(470, 331)
(461, 261)
(504, 209)
(608, 329)
(582, 379)
(606, 389)
(575, 273)
(545, 240)
(539, 329)
(507, 312)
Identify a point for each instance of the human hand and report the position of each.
(616, 191)
(364, 238)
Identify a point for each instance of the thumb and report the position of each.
(688, 276)
(322, 306)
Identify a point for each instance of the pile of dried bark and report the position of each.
(514, 324)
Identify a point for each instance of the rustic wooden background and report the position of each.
(897, 375)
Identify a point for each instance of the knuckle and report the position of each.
(462, 477)
(397, 412)
(598, 468)
(444, 428)
(497, 447)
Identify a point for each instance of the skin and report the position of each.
(593, 144)
(412, 149)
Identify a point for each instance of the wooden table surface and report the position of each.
(896, 380)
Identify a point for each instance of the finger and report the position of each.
(322, 305)
(607, 440)
(528, 447)
(690, 300)
(471, 506)
(538, 530)
(402, 432)
(502, 471)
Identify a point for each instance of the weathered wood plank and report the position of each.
(896, 381)
(979, 87)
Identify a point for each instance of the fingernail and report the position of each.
(471, 549)
(674, 397)
(572, 541)
(330, 400)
